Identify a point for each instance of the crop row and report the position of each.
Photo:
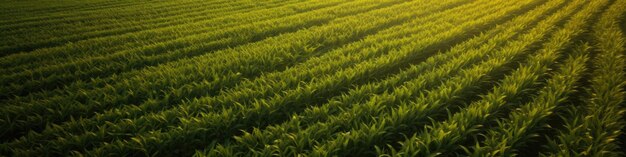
(410, 115)
(314, 78)
(194, 131)
(47, 34)
(207, 67)
(103, 46)
(204, 44)
(282, 141)
(329, 58)
(593, 127)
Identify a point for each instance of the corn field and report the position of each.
(313, 78)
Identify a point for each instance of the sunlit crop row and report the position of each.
(313, 78)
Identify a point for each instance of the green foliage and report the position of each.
(312, 78)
